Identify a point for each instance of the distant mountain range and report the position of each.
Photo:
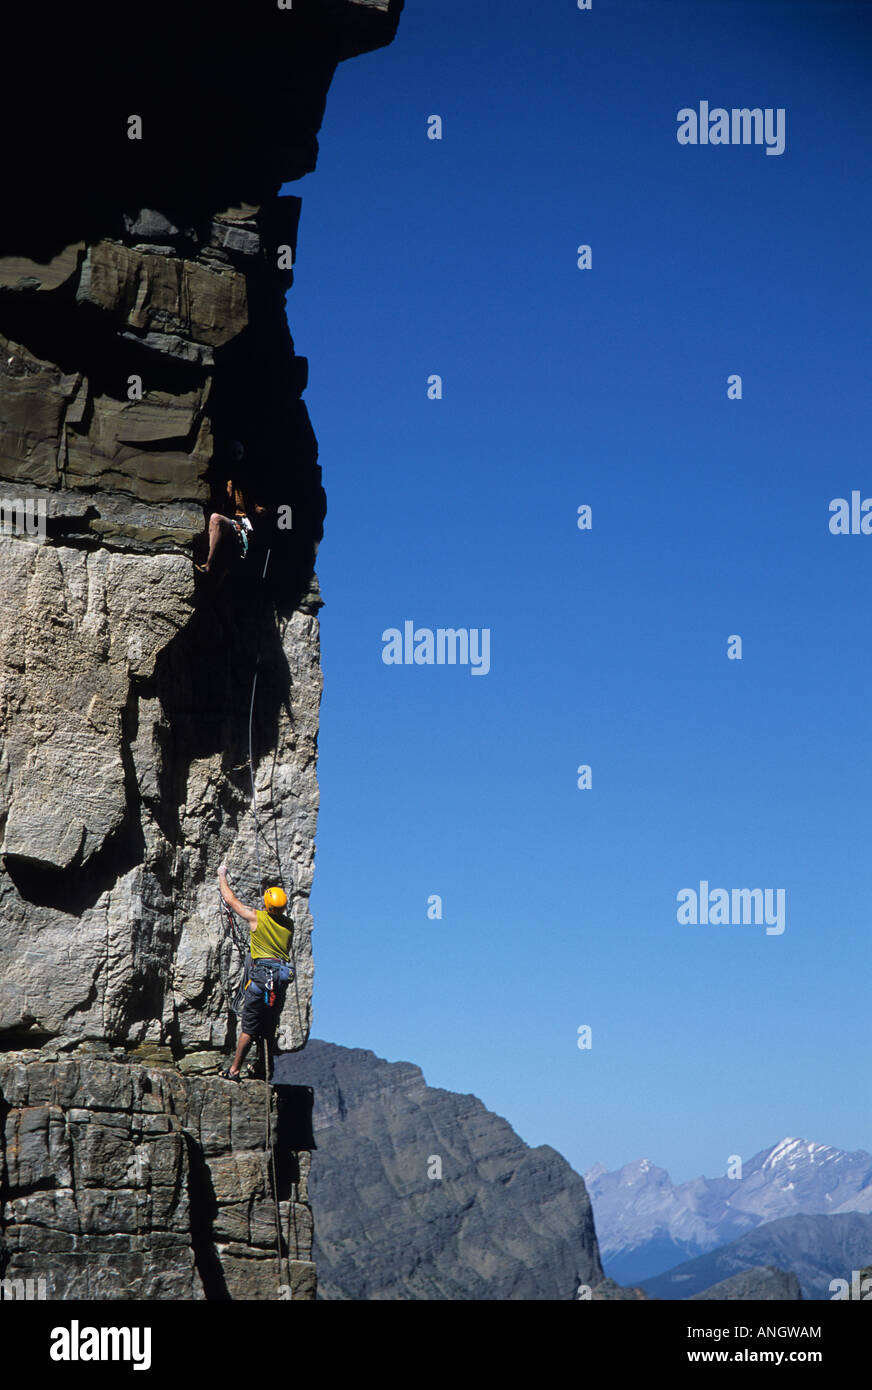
(420, 1193)
(816, 1250)
(646, 1224)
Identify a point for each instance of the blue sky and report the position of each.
(608, 647)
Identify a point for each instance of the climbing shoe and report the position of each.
(228, 1075)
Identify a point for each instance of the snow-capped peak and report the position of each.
(791, 1152)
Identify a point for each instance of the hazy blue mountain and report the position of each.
(646, 1224)
(817, 1249)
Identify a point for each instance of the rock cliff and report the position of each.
(420, 1193)
(153, 721)
(127, 1181)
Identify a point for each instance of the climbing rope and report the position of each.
(258, 834)
(238, 939)
(268, 1141)
(265, 1049)
(241, 947)
(251, 773)
(272, 1163)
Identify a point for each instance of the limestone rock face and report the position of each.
(127, 1181)
(125, 680)
(186, 299)
(154, 722)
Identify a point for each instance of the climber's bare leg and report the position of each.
(219, 527)
(241, 1051)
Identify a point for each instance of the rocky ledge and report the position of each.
(122, 1180)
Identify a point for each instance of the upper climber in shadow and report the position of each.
(233, 532)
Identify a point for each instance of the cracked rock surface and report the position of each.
(129, 1181)
(154, 722)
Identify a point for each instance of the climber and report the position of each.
(271, 969)
(225, 529)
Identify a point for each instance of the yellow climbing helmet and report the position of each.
(275, 897)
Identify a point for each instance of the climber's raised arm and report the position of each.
(231, 899)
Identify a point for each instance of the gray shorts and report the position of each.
(258, 1015)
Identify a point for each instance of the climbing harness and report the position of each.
(278, 974)
(242, 526)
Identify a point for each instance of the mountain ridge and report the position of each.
(422, 1193)
(814, 1249)
(645, 1222)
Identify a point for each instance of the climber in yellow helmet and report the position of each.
(271, 968)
